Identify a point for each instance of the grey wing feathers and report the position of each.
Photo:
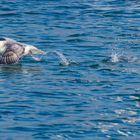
(18, 49)
(12, 54)
(9, 58)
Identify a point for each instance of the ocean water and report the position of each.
(89, 89)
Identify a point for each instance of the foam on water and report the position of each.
(121, 55)
(114, 57)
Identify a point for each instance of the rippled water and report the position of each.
(98, 96)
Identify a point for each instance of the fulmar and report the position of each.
(12, 51)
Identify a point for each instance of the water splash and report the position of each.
(63, 60)
(123, 55)
(114, 57)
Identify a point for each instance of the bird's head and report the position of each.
(29, 49)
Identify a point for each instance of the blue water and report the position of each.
(95, 98)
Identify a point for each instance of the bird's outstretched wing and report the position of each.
(12, 54)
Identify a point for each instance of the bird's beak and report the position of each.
(37, 51)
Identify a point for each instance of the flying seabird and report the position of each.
(12, 51)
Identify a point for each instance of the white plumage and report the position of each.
(12, 51)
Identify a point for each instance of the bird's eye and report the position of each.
(2, 39)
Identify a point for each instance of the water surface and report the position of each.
(98, 97)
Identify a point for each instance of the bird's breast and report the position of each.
(2, 48)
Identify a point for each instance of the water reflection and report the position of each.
(20, 68)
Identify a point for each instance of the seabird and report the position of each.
(12, 51)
